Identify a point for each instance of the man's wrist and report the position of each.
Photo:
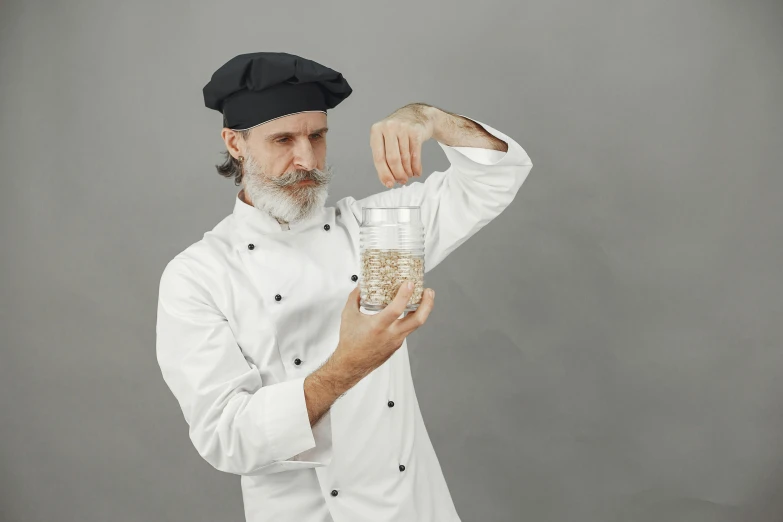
(437, 119)
(321, 388)
(454, 130)
(336, 376)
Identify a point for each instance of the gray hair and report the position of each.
(231, 167)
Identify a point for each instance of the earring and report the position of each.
(238, 179)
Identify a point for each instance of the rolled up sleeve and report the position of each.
(458, 202)
(236, 422)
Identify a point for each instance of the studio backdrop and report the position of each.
(609, 349)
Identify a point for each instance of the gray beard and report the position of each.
(281, 197)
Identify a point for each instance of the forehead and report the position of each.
(301, 123)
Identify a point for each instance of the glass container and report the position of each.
(391, 245)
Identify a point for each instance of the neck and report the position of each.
(243, 197)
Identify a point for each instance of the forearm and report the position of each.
(326, 384)
(456, 131)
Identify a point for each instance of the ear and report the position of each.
(231, 139)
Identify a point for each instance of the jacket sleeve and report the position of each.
(455, 204)
(237, 424)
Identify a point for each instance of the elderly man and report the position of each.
(280, 379)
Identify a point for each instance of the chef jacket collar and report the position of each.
(251, 223)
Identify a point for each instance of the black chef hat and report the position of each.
(251, 89)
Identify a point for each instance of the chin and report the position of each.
(291, 208)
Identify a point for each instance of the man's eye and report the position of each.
(286, 140)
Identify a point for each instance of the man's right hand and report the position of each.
(366, 342)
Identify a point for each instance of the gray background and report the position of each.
(608, 349)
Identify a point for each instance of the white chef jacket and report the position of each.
(248, 311)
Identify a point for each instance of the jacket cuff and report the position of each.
(290, 431)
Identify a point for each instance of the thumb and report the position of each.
(354, 298)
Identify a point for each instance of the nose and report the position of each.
(304, 156)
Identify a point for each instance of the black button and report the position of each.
(297, 361)
(251, 246)
(391, 404)
(354, 278)
(327, 227)
(334, 492)
(278, 297)
(402, 468)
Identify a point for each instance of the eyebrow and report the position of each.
(277, 135)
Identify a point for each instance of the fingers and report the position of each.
(393, 158)
(394, 309)
(415, 148)
(405, 154)
(354, 299)
(396, 151)
(379, 157)
(417, 318)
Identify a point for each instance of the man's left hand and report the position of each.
(396, 142)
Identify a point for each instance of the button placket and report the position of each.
(390, 404)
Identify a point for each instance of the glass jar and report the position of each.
(391, 245)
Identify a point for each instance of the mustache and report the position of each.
(291, 178)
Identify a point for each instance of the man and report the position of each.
(254, 336)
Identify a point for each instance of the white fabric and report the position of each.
(226, 348)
